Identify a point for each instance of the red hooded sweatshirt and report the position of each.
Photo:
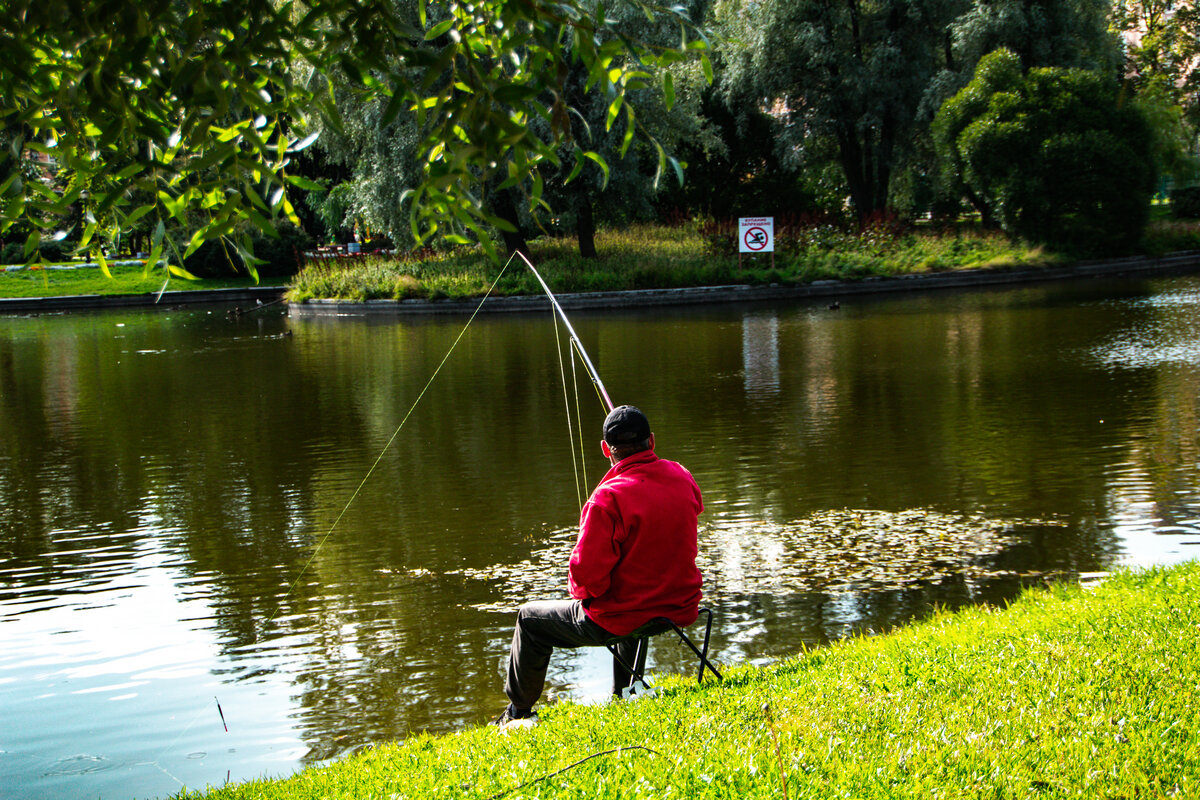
(636, 554)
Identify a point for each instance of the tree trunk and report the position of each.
(585, 224)
(506, 209)
(986, 217)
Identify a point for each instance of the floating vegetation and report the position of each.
(839, 550)
(856, 549)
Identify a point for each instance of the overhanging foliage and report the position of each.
(191, 111)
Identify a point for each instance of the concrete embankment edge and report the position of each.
(251, 295)
(1176, 263)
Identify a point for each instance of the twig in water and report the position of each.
(572, 766)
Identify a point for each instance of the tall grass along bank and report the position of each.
(663, 257)
(1072, 691)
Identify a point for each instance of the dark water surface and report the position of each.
(177, 531)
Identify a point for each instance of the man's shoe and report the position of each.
(513, 720)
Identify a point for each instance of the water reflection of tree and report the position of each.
(1166, 453)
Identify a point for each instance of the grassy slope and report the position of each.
(1071, 692)
(128, 279)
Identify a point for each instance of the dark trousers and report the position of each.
(543, 625)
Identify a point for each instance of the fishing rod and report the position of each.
(587, 362)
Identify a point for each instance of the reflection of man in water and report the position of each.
(635, 560)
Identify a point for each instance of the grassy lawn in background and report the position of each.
(126, 279)
(1071, 691)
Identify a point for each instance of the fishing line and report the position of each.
(575, 457)
(350, 502)
(579, 427)
(396, 433)
(600, 390)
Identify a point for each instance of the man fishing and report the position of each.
(635, 560)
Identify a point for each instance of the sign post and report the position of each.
(756, 235)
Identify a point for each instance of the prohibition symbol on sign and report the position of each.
(756, 234)
(756, 239)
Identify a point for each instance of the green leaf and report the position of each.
(603, 166)
(614, 109)
(180, 272)
(301, 182)
(628, 140)
(668, 90)
(304, 143)
(129, 171)
(438, 30)
(394, 106)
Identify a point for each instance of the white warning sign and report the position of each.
(756, 234)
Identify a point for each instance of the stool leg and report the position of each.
(704, 654)
(622, 666)
(701, 654)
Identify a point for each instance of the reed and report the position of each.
(1072, 691)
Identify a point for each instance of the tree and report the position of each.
(1162, 42)
(1041, 33)
(623, 182)
(374, 165)
(204, 103)
(853, 72)
(1055, 153)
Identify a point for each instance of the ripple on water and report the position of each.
(80, 764)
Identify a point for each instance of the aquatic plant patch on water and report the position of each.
(847, 549)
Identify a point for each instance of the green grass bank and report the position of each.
(666, 257)
(1071, 691)
(127, 279)
(692, 254)
(698, 254)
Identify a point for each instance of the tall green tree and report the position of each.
(623, 183)
(203, 104)
(1058, 154)
(853, 72)
(1162, 41)
(1041, 33)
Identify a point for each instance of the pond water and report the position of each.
(231, 547)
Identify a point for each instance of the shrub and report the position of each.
(282, 257)
(13, 253)
(1185, 203)
(1054, 153)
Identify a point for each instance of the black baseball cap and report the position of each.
(626, 425)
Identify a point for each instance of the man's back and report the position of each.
(636, 554)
